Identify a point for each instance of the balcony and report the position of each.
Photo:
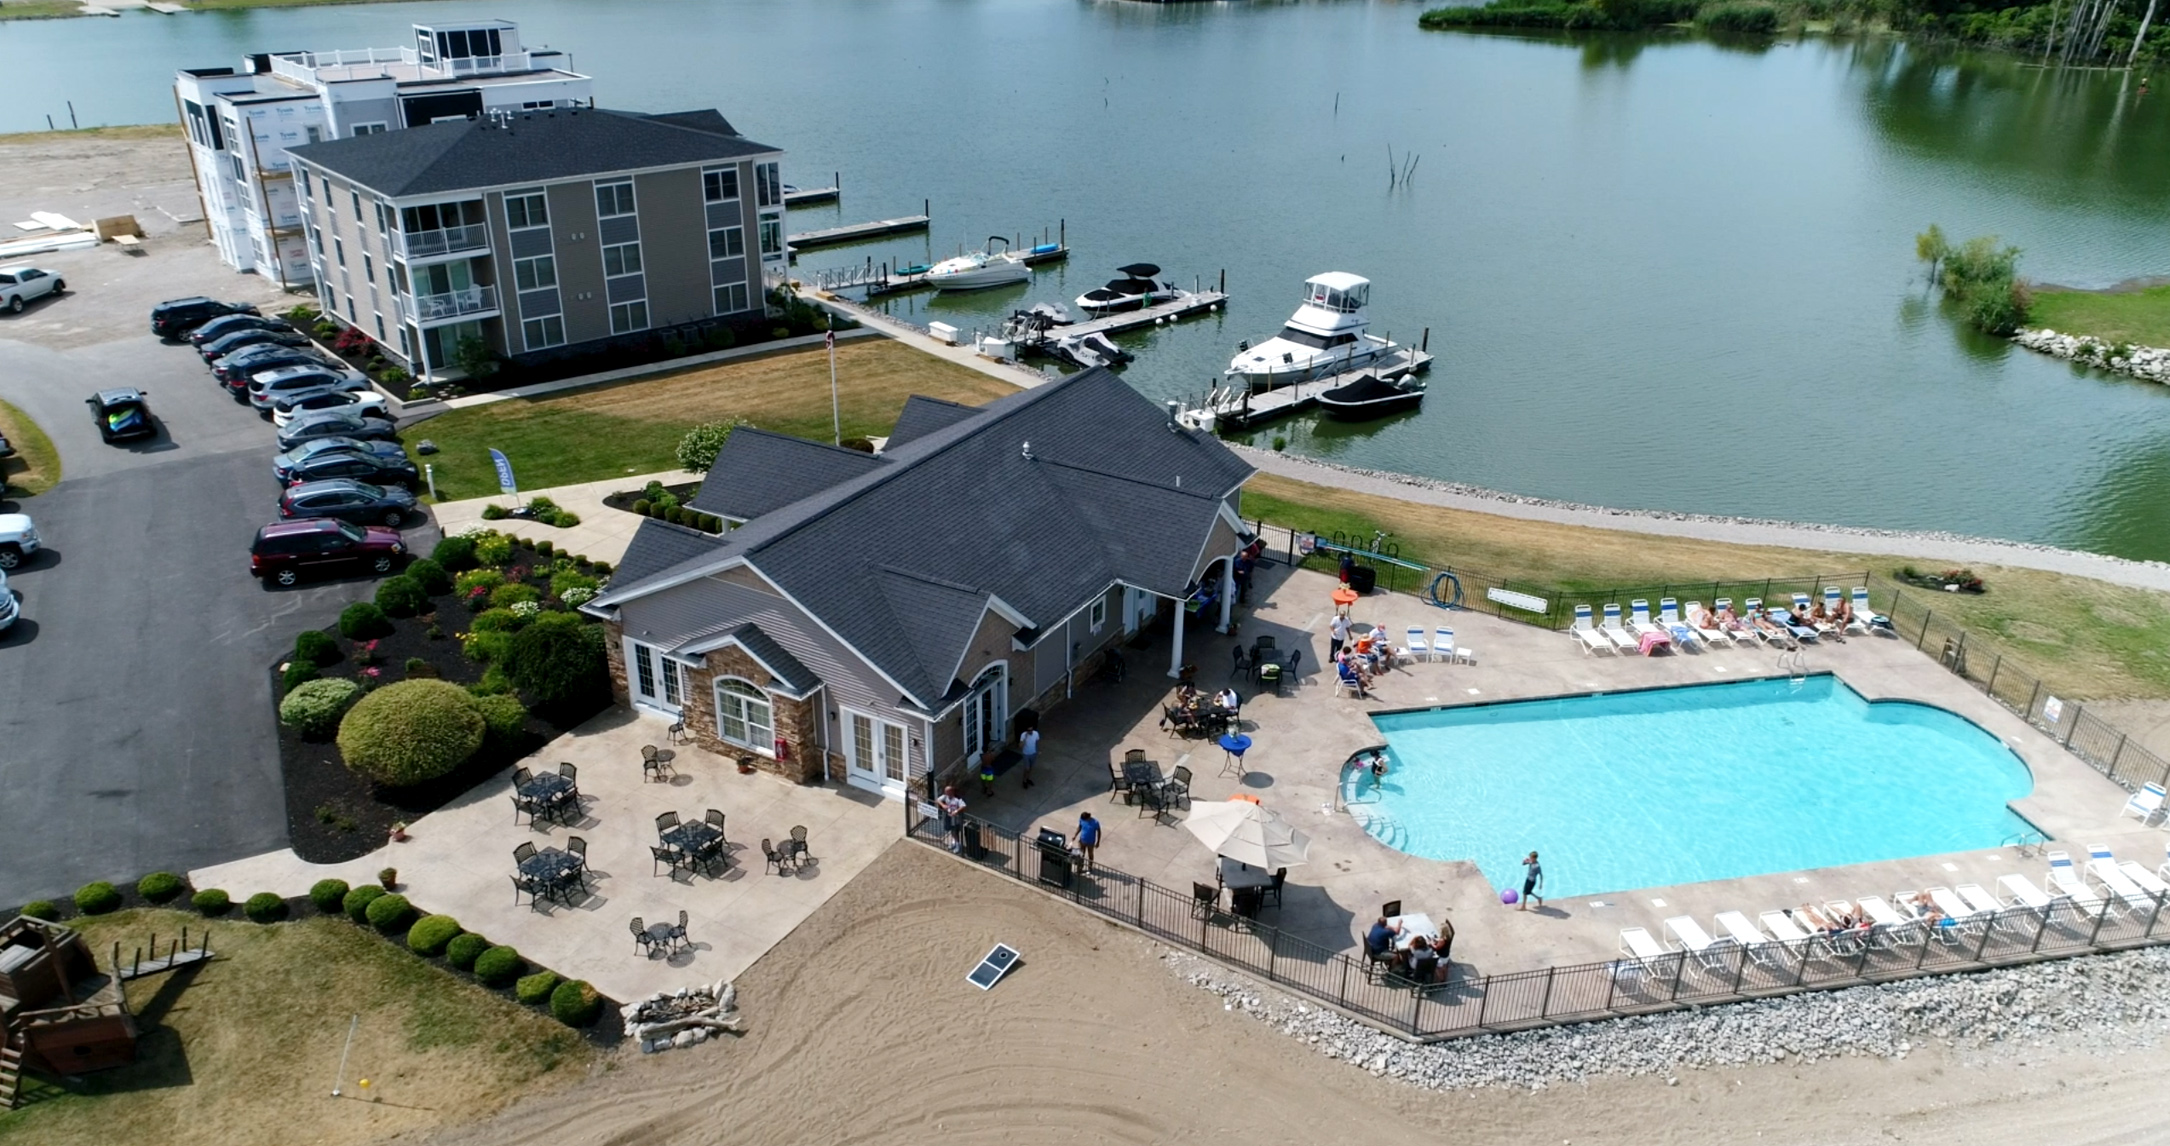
(433, 308)
(312, 68)
(413, 245)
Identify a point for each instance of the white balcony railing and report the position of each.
(445, 241)
(451, 304)
(398, 63)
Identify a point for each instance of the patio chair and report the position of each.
(1178, 785)
(1346, 678)
(713, 817)
(1246, 902)
(1134, 756)
(1205, 899)
(798, 844)
(2144, 803)
(668, 858)
(519, 884)
(1418, 649)
(523, 853)
(1584, 630)
(1273, 890)
(676, 732)
(569, 771)
(643, 943)
(1390, 908)
(578, 846)
(521, 775)
(521, 804)
(1264, 641)
(665, 821)
(677, 935)
(1118, 782)
(1242, 662)
(1150, 800)
(770, 855)
(1288, 671)
(1691, 939)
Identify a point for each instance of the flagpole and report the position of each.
(836, 416)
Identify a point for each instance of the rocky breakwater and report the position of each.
(2149, 362)
(685, 1017)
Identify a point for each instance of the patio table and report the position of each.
(1413, 925)
(1237, 876)
(1142, 774)
(546, 789)
(692, 836)
(551, 867)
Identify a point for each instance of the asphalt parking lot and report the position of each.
(136, 727)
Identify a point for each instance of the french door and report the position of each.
(986, 713)
(653, 678)
(874, 753)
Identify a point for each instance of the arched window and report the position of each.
(744, 714)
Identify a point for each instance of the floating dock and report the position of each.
(879, 279)
(1185, 304)
(801, 196)
(1235, 409)
(857, 232)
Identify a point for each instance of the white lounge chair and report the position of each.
(1862, 613)
(1760, 625)
(2144, 879)
(2065, 880)
(1689, 936)
(1979, 899)
(2144, 803)
(2103, 867)
(1641, 953)
(2021, 892)
(1742, 633)
(2163, 869)
(1787, 932)
(1639, 621)
(1748, 936)
(1417, 649)
(1444, 648)
(1891, 927)
(1622, 640)
(1706, 626)
(1960, 915)
(1816, 628)
(1584, 630)
(1831, 599)
(1669, 618)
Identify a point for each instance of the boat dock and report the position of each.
(880, 279)
(1185, 304)
(857, 232)
(801, 196)
(1234, 408)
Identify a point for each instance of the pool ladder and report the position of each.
(2029, 843)
(1795, 665)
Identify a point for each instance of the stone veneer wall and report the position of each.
(614, 651)
(797, 721)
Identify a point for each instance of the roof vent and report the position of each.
(1175, 409)
(1028, 451)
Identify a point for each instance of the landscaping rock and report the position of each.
(2149, 362)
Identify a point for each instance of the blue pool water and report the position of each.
(1675, 785)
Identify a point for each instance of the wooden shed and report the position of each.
(58, 1012)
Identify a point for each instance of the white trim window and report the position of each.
(627, 317)
(772, 238)
(733, 298)
(525, 209)
(539, 333)
(744, 714)
(536, 273)
(727, 242)
(613, 199)
(719, 185)
(622, 259)
(1097, 616)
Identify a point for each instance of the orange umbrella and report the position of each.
(1249, 797)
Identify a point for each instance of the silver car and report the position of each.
(18, 285)
(334, 424)
(267, 388)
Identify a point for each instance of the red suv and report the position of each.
(286, 552)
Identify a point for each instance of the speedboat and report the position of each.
(979, 270)
(1325, 336)
(1371, 396)
(1134, 290)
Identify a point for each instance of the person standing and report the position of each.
(1338, 634)
(1028, 742)
(1533, 876)
(1088, 837)
(951, 806)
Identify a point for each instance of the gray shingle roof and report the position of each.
(777, 659)
(757, 471)
(923, 415)
(529, 147)
(657, 546)
(900, 561)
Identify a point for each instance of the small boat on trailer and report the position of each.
(1370, 397)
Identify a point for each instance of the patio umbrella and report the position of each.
(1248, 833)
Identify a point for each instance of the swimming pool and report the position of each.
(1675, 785)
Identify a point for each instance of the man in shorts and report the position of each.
(951, 805)
(1533, 875)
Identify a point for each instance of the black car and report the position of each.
(236, 340)
(122, 414)
(283, 465)
(175, 317)
(349, 500)
(375, 468)
(235, 369)
(334, 424)
(224, 325)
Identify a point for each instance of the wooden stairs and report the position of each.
(11, 1074)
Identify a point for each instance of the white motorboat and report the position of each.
(1134, 290)
(1325, 336)
(979, 270)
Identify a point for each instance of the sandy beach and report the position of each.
(861, 1029)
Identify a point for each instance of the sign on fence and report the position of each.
(1514, 600)
(2052, 709)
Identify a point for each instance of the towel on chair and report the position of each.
(1653, 641)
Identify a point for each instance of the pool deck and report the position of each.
(1302, 737)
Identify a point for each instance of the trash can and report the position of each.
(1055, 867)
(968, 835)
(1363, 578)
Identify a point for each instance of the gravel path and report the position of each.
(1952, 547)
(2104, 1002)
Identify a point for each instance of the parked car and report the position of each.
(349, 500)
(175, 317)
(287, 551)
(285, 465)
(214, 349)
(10, 608)
(18, 539)
(122, 414)
(233, 371)
(367, 403)
(376, 469)
(7, 449)
(227, 324)
(266, 387)
(18, 285)
(334, 424)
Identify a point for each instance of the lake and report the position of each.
(1659, 272)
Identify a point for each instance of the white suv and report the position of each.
(18, 539)
(19, 285)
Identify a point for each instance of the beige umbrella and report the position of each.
(1248, 833)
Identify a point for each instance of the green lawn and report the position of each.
(2090, 638)
(634, 427)
(39, 9)
(2141, 317)
(35, 467)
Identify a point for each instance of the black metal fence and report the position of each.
(1555, 996)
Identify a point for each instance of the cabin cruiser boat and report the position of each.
(1134, 290)
(1325, 336)
(978, 270)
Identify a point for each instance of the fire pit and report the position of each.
(683, 1018)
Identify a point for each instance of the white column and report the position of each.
(1175, 646)
(1228, 590)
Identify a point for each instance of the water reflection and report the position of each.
(2129, 512)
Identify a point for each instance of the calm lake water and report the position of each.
(1660, 273)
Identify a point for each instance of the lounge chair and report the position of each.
(1706, 626)
(1444, 648)
(1760, 624)
(1891, 928)
(1800, 942)
(1347, 678)
(1750, 938)
(2144, 803)
(1417, 649)
(1621, 639)
(2103, 866)
(2019, 891)
(1979, 899)
(1639, 621)
(1963, 916)
(1831, 600)
(1805, 633)
(1691, 939)
(1739, 632)
(1669, 616)
(2065, 879)
(1640, 953)
(2144, 879)
(1586, 634)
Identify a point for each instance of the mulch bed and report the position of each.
(334, 815)
(624, 499)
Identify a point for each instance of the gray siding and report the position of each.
(674, 246)
(501, 255)
(580, 261)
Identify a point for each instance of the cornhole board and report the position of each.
(991, 969)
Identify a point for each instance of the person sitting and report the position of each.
(1420, 960)
(1727, 618)
(1927, 910)
(1227, 701)
(1350, 674)
(1379, 941)
(1844, 614)
(1186, 695)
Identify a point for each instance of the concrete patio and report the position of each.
(459, 861)
(1303, 737)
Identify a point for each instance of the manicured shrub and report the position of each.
(160, 887)
(641, 506)
(494, 682)
(496, 621)
(44, 909)
(328, 894)
(265, 907)
(316, 647)
(536, 988)
(558, 659)
(466, 583)
(361, 620)
(314, 707)
(603, 568)
(544, 547)
(357, 902)
(389, 914)
(565, 580)
(493, 549)
(454, 554)
(499, 966)
(97, 898)
(464, 949)
(211, 901)
(296, 673)
(504, 718)
(431, 576)
(417, 668)
(401, 596)
(513, 594)
(495, 512)
(431, 933)
(409, 732)
(575, 1003)
(485, 647)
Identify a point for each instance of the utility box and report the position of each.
(943, 333)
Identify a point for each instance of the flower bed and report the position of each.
(334, 813)
(666, 503)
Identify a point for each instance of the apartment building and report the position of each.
(536, 232)
(240, 122)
